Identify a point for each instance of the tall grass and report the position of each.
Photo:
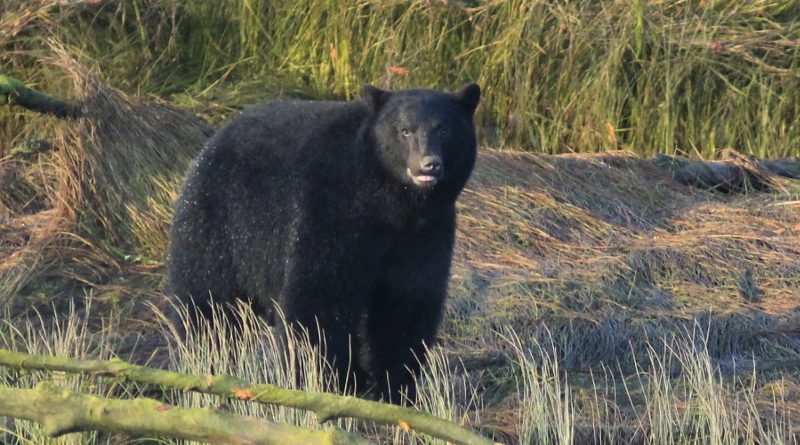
(703, 404)
(239, 343)
(67, 335)
(678, 395)
(546, 412)
(445, 393)
(558, 76)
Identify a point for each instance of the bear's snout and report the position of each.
(427, 172)
(431, 165)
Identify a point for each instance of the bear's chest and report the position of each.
(420, 223)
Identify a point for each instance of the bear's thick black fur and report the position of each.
(342, 213)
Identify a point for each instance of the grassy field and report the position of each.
(559, 76)
(593, 299)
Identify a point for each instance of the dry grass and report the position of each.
(69, 331)
(105, 192)
(678, 394)
(609, 247)
(122, 164)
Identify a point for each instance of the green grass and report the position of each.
(579, 76)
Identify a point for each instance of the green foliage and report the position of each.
(559, 76)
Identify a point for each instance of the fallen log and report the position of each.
(785, 167)
(325, 405)
(734, 173)
(62, 412)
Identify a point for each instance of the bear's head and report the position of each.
(425, 138)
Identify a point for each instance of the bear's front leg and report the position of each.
(406, 310)
(327, 284)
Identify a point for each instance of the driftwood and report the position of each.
(735, 173)
(325, 406)
(62, 412)
(786, 167)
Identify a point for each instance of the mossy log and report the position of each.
(16, 92)
(326, 406)
(62, 412)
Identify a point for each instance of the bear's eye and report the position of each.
(405, 132)
(443, 131)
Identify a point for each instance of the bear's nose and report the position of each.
(431, 164)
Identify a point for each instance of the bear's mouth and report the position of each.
(423, 180)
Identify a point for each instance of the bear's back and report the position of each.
(290, 127)
(242, 197)
(283, 144)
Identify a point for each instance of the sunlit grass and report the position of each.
(68, 334)
(239, 343)
(679, 395)
(558, 76)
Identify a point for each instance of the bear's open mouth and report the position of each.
(423, 180)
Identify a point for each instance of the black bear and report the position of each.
(343, 213)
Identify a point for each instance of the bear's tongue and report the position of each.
(426, 180)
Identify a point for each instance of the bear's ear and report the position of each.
(374, 97)
(469, 96)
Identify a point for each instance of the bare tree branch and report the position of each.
(63, 412)
(18, 93)
(326, 406)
